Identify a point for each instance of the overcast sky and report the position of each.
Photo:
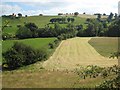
(53, 7)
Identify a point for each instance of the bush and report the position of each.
(54, 44)
(111, 84)
(13, 59)
(18, 25)
(81, 33)
(41, 54)
(51, 45)
(29, 30)
(23, 32)
(20, 55)
(60, 37)
(7, 36)
(56, 41)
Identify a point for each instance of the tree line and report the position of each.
(62, 20)
(30, 30)
(98, 27)
(17, 57)
(94, 27)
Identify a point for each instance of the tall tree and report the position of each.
(72, 20)
(116, 17)
(110, 17)
(76, 14)
(99, 17)
(68, 19)
(19, 15)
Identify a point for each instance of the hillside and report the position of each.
(60, 71)
(40, 21)
(36, 43)
(68, 60)
(76, 52)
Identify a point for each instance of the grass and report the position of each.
(34, 42)
(105, 45)
(70, 53)
(91, 16)
(42, 78)
(11, 30)
(40, 21)
(76, 52)
(47, 79)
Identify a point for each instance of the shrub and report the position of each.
(56, 41)
(29, 30)
(13, 59)
(21, 55)
(81, 33)
(51, 45)
(54, 44)
(60, 37)
(41, 54)
(23, 32)
(7, 36)
(18, 25)
(111, 84)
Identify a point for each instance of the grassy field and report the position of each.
(91, 16)
(59, 70)
(47, 79)
(40, 21)
(34, 42)
(76, 52)
(105, 45)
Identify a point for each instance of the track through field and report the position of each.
(76, 52)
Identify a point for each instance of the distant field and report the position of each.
(105, 45)
(90, 16)
(34, 42)
(40, 21)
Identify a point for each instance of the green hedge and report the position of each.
(21, 55)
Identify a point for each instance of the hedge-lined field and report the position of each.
(34, 42)
(40, 21)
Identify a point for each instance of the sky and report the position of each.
(53, 7)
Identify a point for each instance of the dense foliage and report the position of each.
(94, 27)
(30, 30)
(62, 20)
(115, 82)
(114, 28)
(95, 71)
(20, 55)
(97, 27)
(7, 36)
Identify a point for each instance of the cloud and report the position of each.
(50, 7)
(43, 1)
(8, 9)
